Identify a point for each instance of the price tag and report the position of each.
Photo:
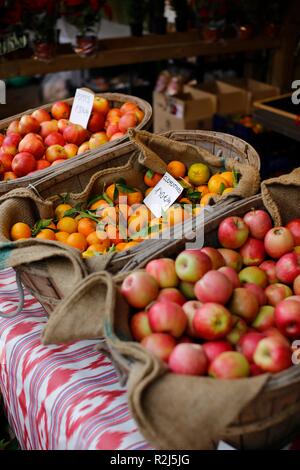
(82, 107)
(163, 195)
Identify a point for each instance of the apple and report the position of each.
(190, 309)
(297, 249)
(167, 317)
(54, 138)
(139, 289)
(171, 294)
(6, 161)
(278, 241)
(62, 124)
(253, 252)
(14, 126)
(191, 265)
(112, 129)
(229, 365)
(9, 175)
(139, 114)
(75, 134)
(101, 105)
(28, 124)
(296, 285)
(287, 317)
(184, 340)
(61, 110)
(276, 293)
(41, 115)
(187, 289)
(214, 287)
(83, 147)
(215, 257)
(2, 137)
(58, 161)
(248, 343)
(231, 274)
(244, 304)
(96, 122)
(232, 232)
(269, 267)
(139, 326)
(255, 370)
(42, 164)
(113, 114)
(159, 344)
(128, 107)
(232, 258)
(23, 163)
(163, 270)
(55, 152)
(188, 359)
(288, 267)
(265, 318)
(12, 139)
(127, 120)
(274, 332)
(213, 349)
(272, 355)
(71, 150)
(258, 292)
(98, 139)
(259, 223)
(47, 127)
(253, 275)
(239, 328)
(294, 228)
(116, 136)
(212, 321)
(32, 144)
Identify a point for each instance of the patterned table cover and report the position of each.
(65, 397)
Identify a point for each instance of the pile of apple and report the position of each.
(228, 312)
(43, 139)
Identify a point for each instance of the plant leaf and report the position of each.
(222, 188)
(149, 173)
(40, 225)
(124, 188)
(236, 177)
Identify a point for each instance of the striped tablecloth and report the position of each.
(65, 397)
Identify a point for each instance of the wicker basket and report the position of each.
(117, 99)
(273, 418)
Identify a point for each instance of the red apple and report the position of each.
(187, 289)
(98, 139)
(229, 365)
(287, 317)
(12, 139)
(113, 114)
(6, 161)
(184, 340)
(96, 122)
(255, 370)
(214, 348)
(258, 292)
(231, 274)
(101, 105)
(32, 144)
(274, 332)
(244, 304)
(128, 107)
(112, 129)
(28, 124)
(23, 163)
(14, 126)
(232, 258)
(253, 252)
(71, 150)
(259, 223)
(233, 232)
(159, 344)
(9, 175)
(171, 294)
(296, 284)
(239, 328)
(167, 317)
(62, 124)
(190, 309)
(278, 242)
(294, 228)
(55, 152)
(248, 344)
(127, 120)
(264, 319)
(212, 321)
(272, 355)
(288, 267)
(83, 148)
(41, 115)
(269, 267)
(47, 127)
(61, 110)
(2, 137)
(75, 134)
(253, 275)
(163, 270)
(42, 164)
(54, 138)
(139, 326)
(215, 257)
(58, 161)
(191, 265)
(276, 293)
(116, 136)
(214, 287)
(139, 289)
(188, 359)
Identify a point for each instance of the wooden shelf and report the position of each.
(130, 50)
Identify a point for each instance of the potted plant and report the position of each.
(157, 20)
(12, 35)
(211, 18)
(136, 14)
(181, 8)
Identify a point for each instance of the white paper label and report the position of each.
(82, 107)
(163, 195)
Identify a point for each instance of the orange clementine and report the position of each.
(98, 204)
(51, 225)
(110, 191)
(176, 169)
(114, 235)
(185, 200)
(67, 224)
(136, 223)
(121, 246)
(217, 184)
(20, 231)
(86, 226)
(228, 176)
(61, 209)
(148, 191)
(198, 173)
(109, 215)
(227, 191)
(131, 244)
(152, 181)
(175, 214)
(46, 234)
(97, 248)
(206, 198)
(203, 189)
(93, 238)
(77, 240)
(135, 198)
(62, 237)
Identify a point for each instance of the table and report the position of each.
(58, 397)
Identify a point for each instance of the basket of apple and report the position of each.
(32, 144)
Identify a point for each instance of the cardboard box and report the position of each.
(230, 99)
(194, 110)
(255, 89)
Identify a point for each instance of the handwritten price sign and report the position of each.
(163, 195)
(82, 107)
